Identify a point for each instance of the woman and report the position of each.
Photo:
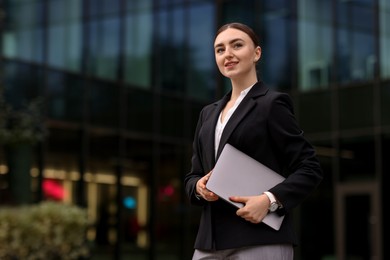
(259, 122)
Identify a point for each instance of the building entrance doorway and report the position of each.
(358, 221)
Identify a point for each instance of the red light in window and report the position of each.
(53, 189)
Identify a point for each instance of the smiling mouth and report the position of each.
(230, 64)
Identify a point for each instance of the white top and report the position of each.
(221, 125)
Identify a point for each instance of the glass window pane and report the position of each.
(359, 213)
(171, 50)
(9, 44)
(385, 161)
(62, 161)
(109, 6)
(139, 169)
(99, 8)
(57, 11)
(104, 104)
(57, 46)
(23, 38)
(168, 198)
(65, 34)
(63, 149)
(108, 55)
(74, 49)
(103, 151)
(103, 47)
(314, 43)
(240, 11)
(30, 45)
(384, 26)
(138, 48)
(65, 96)
(140, 111)
(315, 111)
(276, 41)
(172, 116)
(357, 158)
(201, 79)
(139, 4)
(355, 41)
(356, 107)
(385, 109)
(22, 82)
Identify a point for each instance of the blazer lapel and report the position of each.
(209, 127)
(246, 105)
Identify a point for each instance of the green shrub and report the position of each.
(22, 124)
(48, 230)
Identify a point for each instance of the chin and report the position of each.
(230, 74)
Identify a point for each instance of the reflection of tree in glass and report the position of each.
(23, 124)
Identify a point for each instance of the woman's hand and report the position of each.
(203, 191)
(255, 207)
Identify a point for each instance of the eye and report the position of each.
(237, 45)
(219, 50)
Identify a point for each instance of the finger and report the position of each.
(239, 199)
(203, 183)
(209, 194)
(212, 194)
(241, 213)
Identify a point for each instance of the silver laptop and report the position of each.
(237, 174)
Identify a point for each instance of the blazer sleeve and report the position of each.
(197, 170)
(297, 155)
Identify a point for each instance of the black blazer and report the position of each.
(264, 127)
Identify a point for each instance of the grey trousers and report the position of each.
(266, 252)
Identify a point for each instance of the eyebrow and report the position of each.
(230, 42)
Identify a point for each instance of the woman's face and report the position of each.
(235, 53)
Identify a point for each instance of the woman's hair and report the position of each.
(242, 27)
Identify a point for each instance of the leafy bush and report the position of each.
(25, 123)
(48, 230)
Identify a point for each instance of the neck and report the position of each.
(240, 85)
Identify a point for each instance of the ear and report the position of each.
(257, 54)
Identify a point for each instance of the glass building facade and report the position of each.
(124, 82)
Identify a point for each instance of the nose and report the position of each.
(228, 52)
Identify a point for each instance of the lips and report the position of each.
(231, 64)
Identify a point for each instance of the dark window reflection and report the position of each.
(358, 211)
(172, 116)
(22, 82)
(357, 159)
(65, 96)
(201, 64)
(104, 104)
(276, 40)
(356, 57)
(139, 116)
(138, 43)
(171, 50)
(385, 104)
(103, 47)
(356, 107)
(315, 112)
(315, 44)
